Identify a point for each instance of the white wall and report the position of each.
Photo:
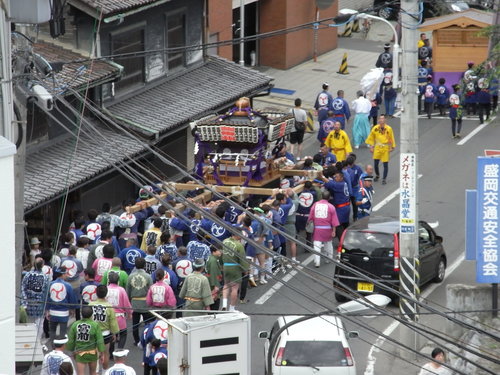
(7, 265)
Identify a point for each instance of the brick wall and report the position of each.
(220, 19)
(290, 49)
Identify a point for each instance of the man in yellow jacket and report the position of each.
(339, 142)
(381, 142)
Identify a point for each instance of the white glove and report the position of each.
(364, 200)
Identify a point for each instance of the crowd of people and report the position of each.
(110, 268)
(187, 260)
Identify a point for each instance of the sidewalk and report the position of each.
(304, 80)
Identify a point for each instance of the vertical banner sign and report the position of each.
(488, 178)
(470, 224)
(408, 190)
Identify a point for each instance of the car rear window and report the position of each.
(369, 243)
(314, 353)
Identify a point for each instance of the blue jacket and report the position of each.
(170, 248)
(128, 256)
(442, 95)
(429, 92)
(341, 110)
(323, 104)
(61, 299)
(326, 126)
(34, 292)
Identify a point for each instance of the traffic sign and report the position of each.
(495, 153)
(488, 220)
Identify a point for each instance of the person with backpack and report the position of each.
(429, 92)
(455, 112)
(297, 136)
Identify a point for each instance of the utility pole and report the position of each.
(408, 211)
(242, 32)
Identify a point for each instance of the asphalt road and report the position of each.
(447, 169)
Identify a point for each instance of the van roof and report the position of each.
(324, 327)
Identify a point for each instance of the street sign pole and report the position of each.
(409, 256)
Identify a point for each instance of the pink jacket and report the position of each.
(101, 265)
(325, 220)
(117, 296)
(161, 295)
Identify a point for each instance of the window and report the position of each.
(126, 42)
(314, 353)
(176, 37)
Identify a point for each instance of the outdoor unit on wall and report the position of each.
(30, 11)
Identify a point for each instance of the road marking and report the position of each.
(475, 131)
(371, 360)
(280, 283)
(387, 199)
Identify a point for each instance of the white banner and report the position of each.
(408, 193)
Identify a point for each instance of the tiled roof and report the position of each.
(173, 103)
(112, 6)
(216, 83)
(74, 75)
(50, 171)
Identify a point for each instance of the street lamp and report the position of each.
(396, 50)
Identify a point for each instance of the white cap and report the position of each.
(120, 353)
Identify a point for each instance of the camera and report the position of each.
(43, 98)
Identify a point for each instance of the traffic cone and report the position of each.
(355, 26)
(348, 30)
(343, 65)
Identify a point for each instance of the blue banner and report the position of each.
(488, 181)
(470, 224)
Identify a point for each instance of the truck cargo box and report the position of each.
(209, 344)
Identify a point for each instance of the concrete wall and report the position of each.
(290, 49)
(460, 297)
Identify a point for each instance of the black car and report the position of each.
(389, 9)
(371, 245)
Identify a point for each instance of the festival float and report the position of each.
(238, 148)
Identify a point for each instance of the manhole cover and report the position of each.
(318, 70)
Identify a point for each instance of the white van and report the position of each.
(313, 346)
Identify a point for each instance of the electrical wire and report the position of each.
(443, 338)
(312, 250)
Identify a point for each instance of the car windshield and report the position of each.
(314, 354)
(369, 243)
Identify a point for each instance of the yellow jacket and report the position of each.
(381, 138)
(339, 143)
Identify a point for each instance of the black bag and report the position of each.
(299, 125)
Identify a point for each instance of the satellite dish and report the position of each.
(361, 306)
(324, 4)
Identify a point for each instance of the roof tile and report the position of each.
(216, 83)
(74, 75)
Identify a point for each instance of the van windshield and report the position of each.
(369, 243)
(314, 354)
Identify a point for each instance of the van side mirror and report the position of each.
(264, 335)
(438, 239)
(353, 334)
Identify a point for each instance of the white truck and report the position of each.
(209, 344)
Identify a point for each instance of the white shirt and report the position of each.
(429, 369)
(120, 368)
(52, 361)
(300, 114)
(361, 105)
